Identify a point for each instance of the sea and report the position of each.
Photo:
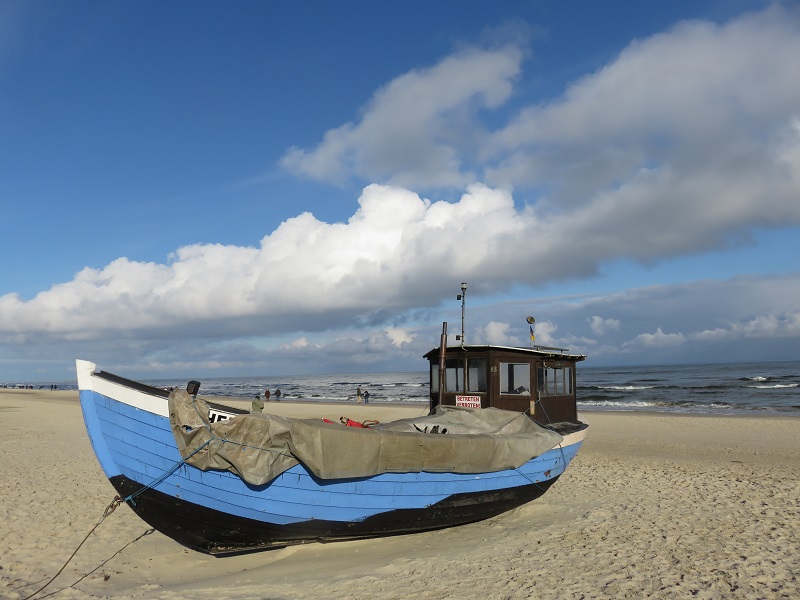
(725, 388)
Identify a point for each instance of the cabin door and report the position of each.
(512, 383)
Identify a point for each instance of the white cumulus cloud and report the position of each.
(659, 338)
(599, 325)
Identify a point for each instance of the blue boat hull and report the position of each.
(208, 530)
(219, 513)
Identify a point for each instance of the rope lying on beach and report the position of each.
(113, 506)
(109, 509)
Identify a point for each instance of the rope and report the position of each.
(102, 564)
(119, 500)
(131, 499)
(164, 476)
(546, 426)
(109, 509)
(536, 483)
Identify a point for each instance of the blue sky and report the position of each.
(205, 189)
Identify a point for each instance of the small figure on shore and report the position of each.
(366, 396)
(266, 395)
(257, 405)
(359, 398)
(278, 394)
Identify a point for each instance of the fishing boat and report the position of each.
(502, 428)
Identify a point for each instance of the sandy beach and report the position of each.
(654, 506)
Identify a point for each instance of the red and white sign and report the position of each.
(468, 401)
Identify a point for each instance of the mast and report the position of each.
(442, 352)
(463, 297)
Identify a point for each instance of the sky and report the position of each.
(198, 189)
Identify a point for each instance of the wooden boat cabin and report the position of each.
(538, 380)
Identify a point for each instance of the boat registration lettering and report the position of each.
(468, 401)
(215, 416)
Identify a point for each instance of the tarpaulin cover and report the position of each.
(259, 447)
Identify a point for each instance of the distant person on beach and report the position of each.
(359, 398)
(258, 404)
(278, 394)
(366, 396)
(266, 395)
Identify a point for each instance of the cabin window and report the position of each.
(476, 375)
(554, 381)
(515, 378)
(454, 375)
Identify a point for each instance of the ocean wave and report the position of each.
(684, 407)
(775, 386)
(626, 388)
(589, 404)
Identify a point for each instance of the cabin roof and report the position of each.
(538, 351)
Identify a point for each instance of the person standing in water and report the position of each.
(359, 399)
